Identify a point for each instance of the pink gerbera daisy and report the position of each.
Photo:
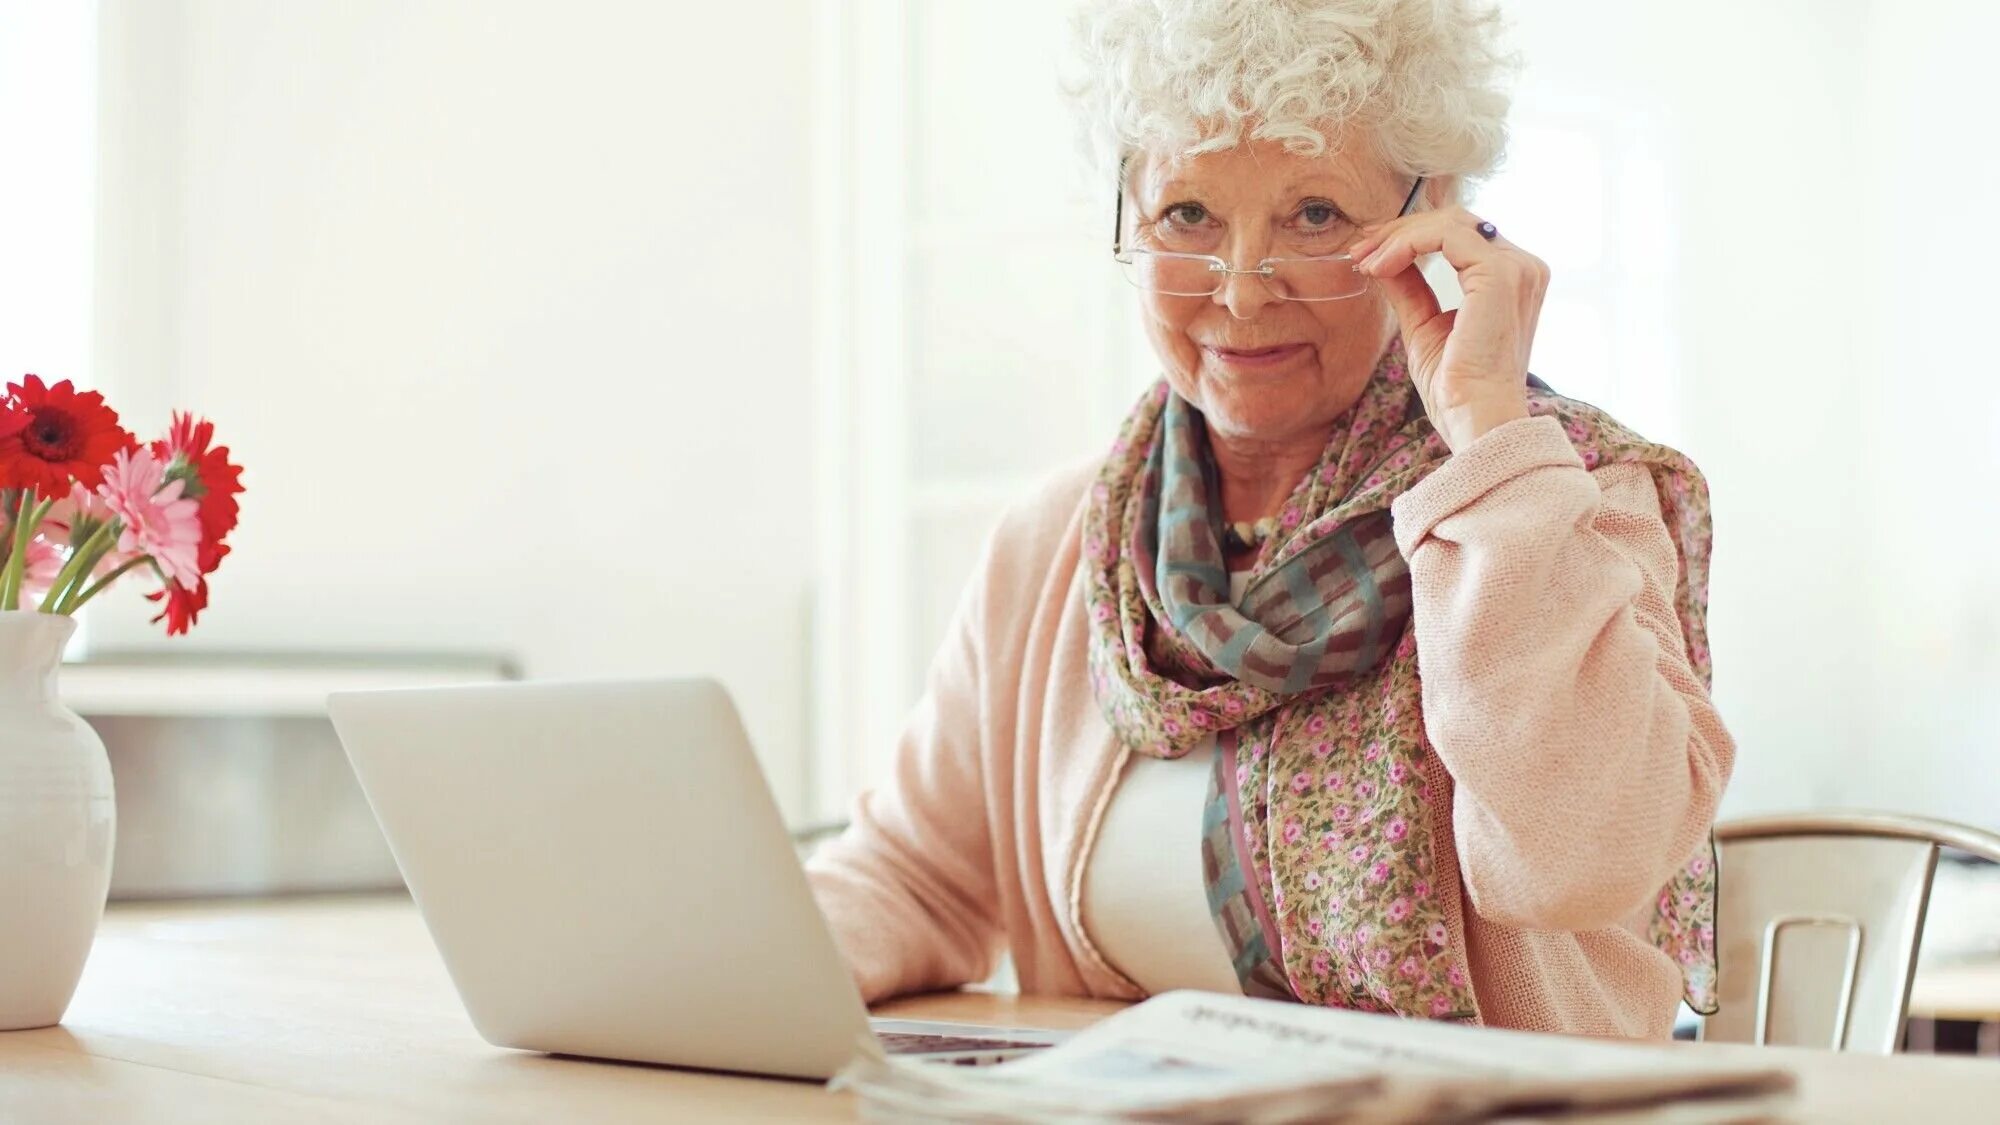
(75, 518)
(44, 562)
(72, 518)
(158, 520)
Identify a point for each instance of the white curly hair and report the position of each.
(1423, 81)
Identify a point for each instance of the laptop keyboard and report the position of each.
(904, 1043)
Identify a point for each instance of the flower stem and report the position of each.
(10, 498)
(99, 585)
(81, 562)
(14, 574)
(86, 560)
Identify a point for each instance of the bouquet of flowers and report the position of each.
(82, 502)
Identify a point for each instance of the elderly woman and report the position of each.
(1365, 670)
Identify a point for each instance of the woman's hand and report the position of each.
(1470, 365)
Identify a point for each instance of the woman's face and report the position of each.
(1259, 368)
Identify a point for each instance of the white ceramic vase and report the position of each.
(56, 826)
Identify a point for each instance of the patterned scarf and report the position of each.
(1318, 846)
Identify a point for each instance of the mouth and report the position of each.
(1255, 359)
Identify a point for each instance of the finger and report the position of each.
(1374, 234)
(1411, 297)
(1460, 244)
(1433, 231)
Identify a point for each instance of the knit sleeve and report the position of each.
(1586, 756)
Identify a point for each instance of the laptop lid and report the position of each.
(604, 872)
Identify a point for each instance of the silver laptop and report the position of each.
(605, 874)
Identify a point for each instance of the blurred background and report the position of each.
(617, 338)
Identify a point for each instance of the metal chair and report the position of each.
(1818, 923)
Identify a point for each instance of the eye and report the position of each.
(1185, 214)
(1318, 213)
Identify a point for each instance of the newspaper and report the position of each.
(1202, 1057)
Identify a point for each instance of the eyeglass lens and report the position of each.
(1294, 279)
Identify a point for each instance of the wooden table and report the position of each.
(337, 1009)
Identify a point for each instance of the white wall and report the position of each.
(505, 306)
(48, 111)
(1929, 390)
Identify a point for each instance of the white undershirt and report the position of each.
(1145, 904)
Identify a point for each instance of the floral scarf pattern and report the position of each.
(1318, 848)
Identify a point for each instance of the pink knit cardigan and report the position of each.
(1586, 756)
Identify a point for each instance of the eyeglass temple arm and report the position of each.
(1118, 209)
(1118, 214)
(1408, 203)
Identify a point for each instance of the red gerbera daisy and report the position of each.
(68, 437)
(211, 479)
(183, 604)
(13, 419)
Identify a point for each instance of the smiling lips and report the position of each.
(1256, 359)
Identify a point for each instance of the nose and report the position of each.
(1244, 293)
(1244, 290)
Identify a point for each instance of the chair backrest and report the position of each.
(1818, 923)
